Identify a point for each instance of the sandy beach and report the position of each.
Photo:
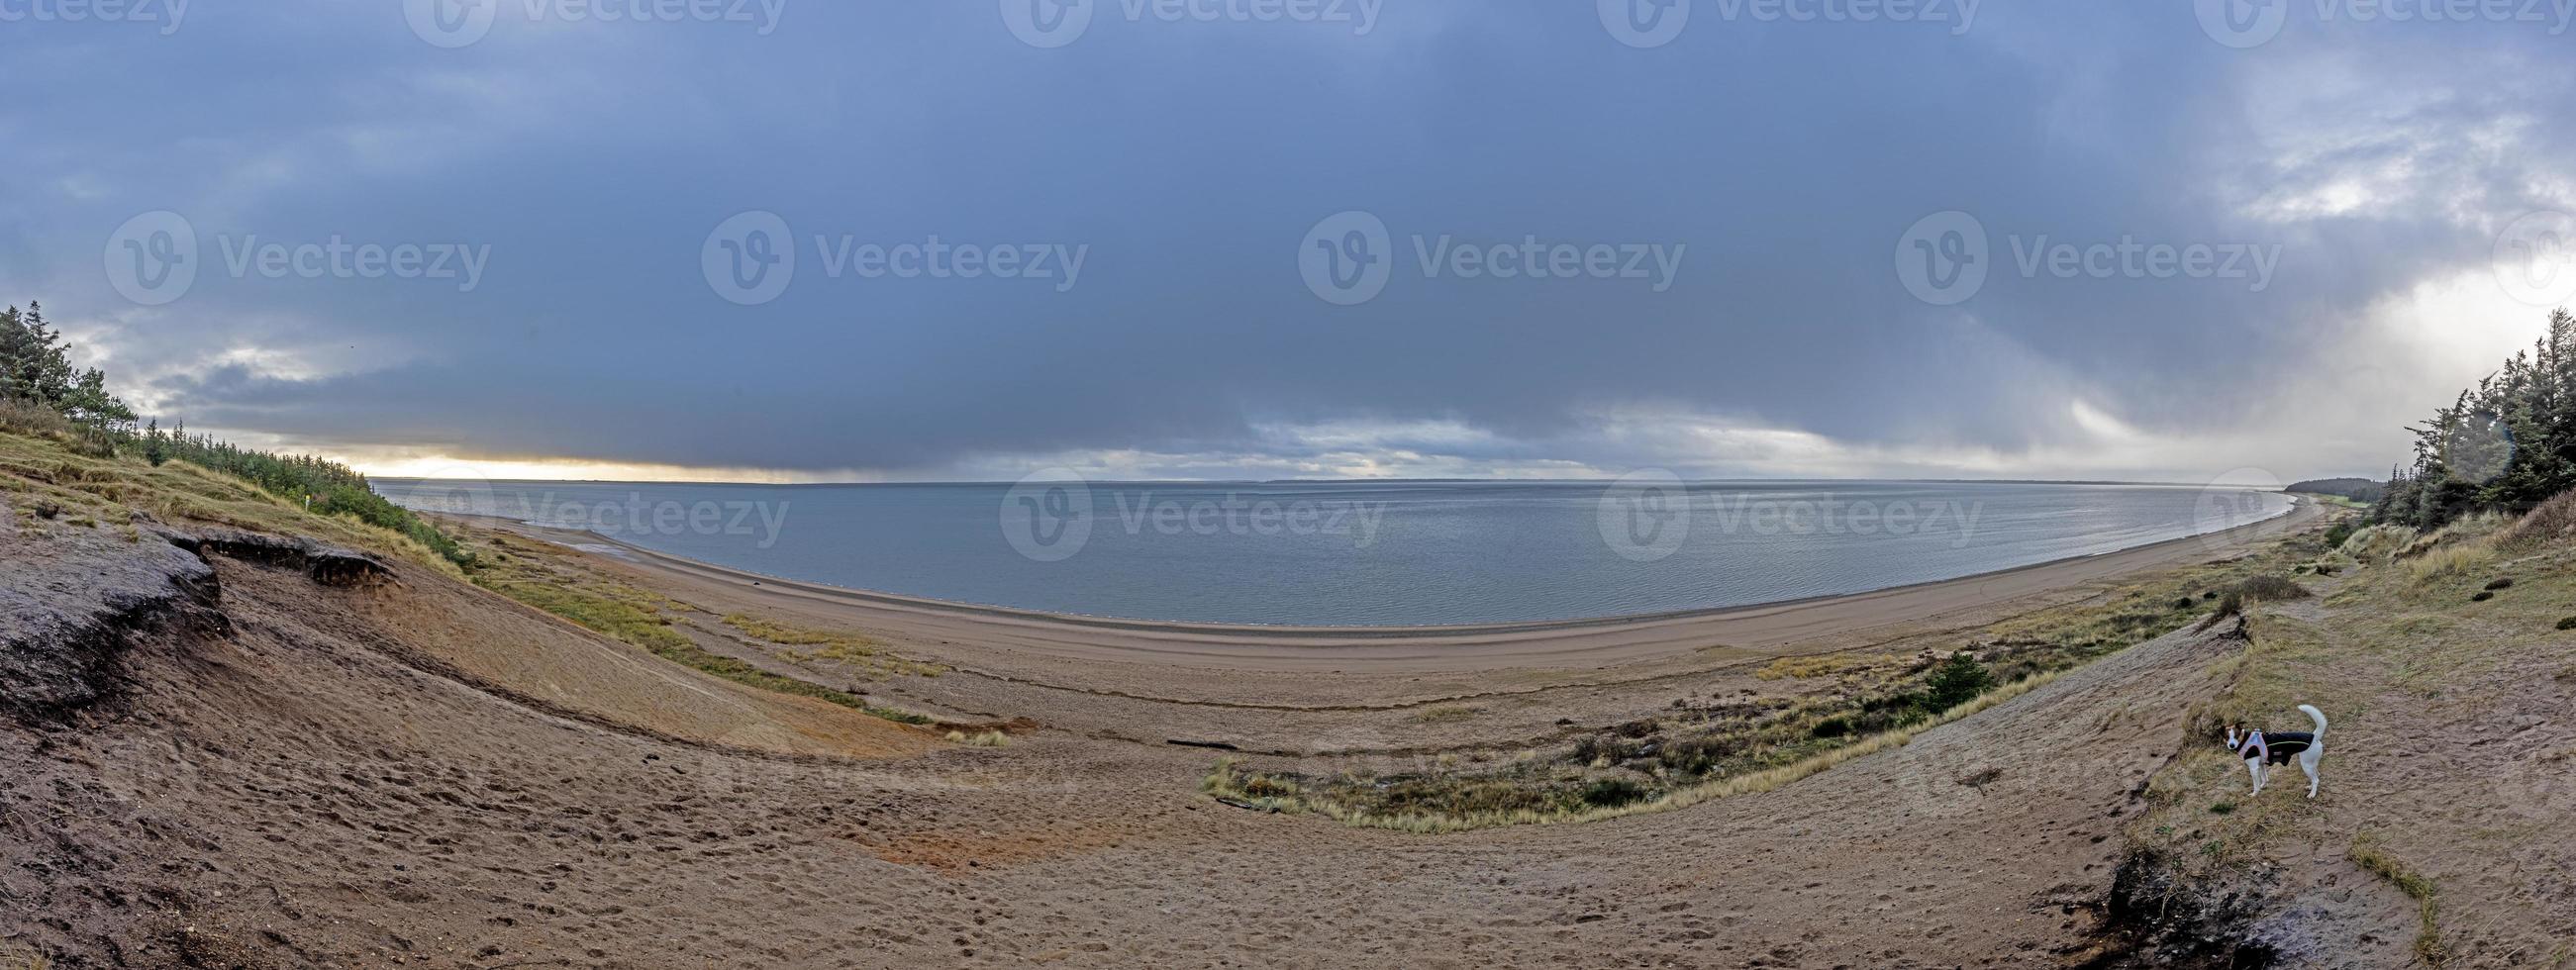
(1766, 629)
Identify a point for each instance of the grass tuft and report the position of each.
(2372, 857)
(1446, 713)
(2458, 558)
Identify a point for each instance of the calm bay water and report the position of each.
(1336, 553)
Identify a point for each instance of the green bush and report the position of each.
(1613, 792)
(2337, 534)
(1957, 681)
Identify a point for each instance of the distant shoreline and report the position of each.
(1598, 640)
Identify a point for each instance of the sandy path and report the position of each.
(1745, 631)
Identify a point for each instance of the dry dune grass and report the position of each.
(2459, 558)
(2378, 543)
(2552, 522)
(1812, 665)
(111, 489)
(1231, 781)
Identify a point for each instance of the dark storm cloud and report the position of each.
(1186, 161)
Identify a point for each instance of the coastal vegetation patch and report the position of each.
(1850, 704)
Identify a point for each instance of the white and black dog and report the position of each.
(2261, 748)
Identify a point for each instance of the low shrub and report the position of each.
(2550, 522)
(2483, 596)
(2378, 543)
(2568, 623)
(1957, 681)
(2500, 584)
(1613, 792)
(2336, 534)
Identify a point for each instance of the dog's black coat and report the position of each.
(2281, 746)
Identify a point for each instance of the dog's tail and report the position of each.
(2319, 717)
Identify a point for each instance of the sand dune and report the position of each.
(340, 796)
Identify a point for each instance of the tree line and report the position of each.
(36, 371)
(2505, 445)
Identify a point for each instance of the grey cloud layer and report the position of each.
(592, 159)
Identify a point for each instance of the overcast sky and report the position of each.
(1729, 239)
